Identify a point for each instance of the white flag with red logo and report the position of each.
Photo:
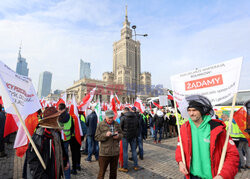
(86, 100)
(139, 105)
(18, 89)
(218, 82)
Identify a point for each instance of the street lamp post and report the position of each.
(135, 34)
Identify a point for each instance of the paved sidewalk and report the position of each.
(159, 162)
(7, 163)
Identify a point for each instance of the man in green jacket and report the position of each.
(109, 133)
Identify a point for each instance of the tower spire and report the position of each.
(20, 48)
(126, 13)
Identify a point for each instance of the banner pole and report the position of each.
(224, 150)
(28, 135)
(178, 128)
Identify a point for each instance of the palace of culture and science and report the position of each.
(126, 75)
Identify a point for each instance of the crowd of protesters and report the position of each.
(129, 129)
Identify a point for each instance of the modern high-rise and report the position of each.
(22, 66)
(44, 84)
(84, 71)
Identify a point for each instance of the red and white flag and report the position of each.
(139, 105)
(170, 96)
(74, 114)
(86, 100)
(19, 90)
(1, 101)
(113, 104)
(117, 99)
(62, 100)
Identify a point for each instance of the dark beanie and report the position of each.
(198, 106)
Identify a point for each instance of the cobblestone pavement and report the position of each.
(159, 162)
(7, 163)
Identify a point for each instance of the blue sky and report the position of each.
(183, 35)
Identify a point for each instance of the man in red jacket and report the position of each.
(203, 139)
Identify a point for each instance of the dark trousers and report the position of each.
(75, 151)
(1, 143)
(104, 161)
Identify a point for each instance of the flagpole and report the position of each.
(178, 128)
(28, 135)
(224, 150)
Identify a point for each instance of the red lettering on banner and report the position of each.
(204, 82)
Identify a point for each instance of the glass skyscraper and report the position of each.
(22, 66)
(44, 84)
(85, 70)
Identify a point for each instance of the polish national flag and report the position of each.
(157, 105)
(113, 105)
(240, 118)
(11, 124)
(170, 96)
(1, 101)
(86, 100)
(74, 114)
(116, 98)
(61, 100)
(139, 105)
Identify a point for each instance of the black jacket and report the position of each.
(91, 124)
(48, 143)
(2, 123)
(158, 121)
(129, 125)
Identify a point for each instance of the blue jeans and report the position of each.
(66, 148)
(132, 143)
(93, 147)
(140, 145)
(160, 132)
(152, 131)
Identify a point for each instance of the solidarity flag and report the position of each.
(17, 89)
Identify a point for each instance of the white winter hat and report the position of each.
(159, 113)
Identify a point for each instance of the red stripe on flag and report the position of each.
(10, 125)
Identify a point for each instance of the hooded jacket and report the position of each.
(217, 139)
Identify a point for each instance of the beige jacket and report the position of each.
(109, 146)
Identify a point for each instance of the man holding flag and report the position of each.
(203, 140)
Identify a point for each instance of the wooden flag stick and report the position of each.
(224, 150)
(178, 128)
(28, 135)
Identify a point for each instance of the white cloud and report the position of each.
(56, 35)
